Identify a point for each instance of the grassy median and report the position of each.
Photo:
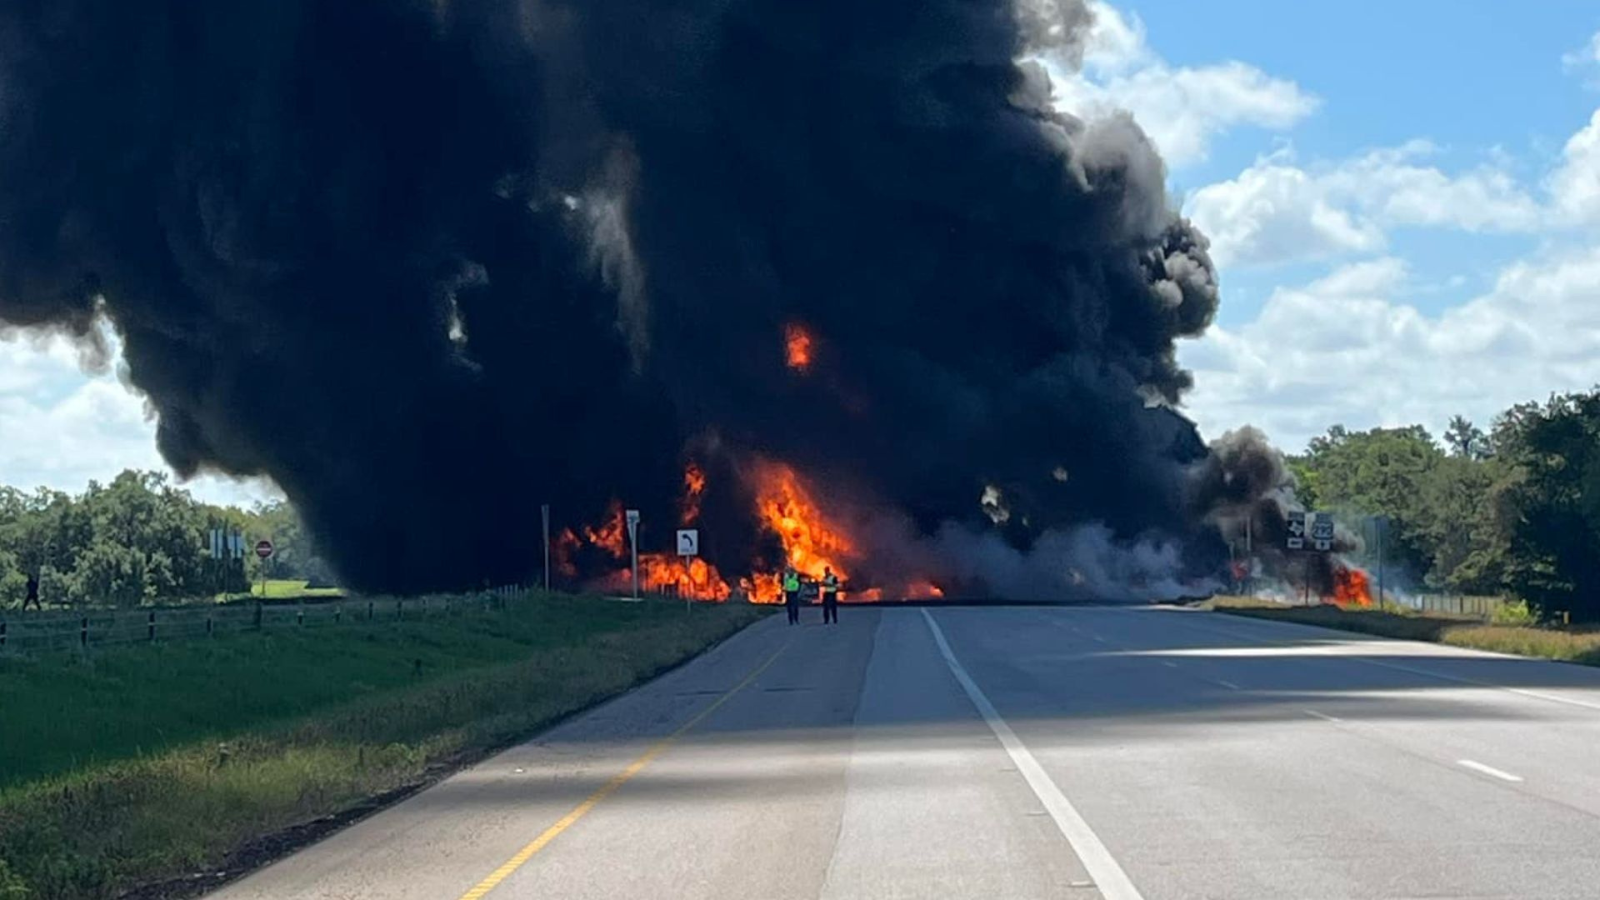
(1574, 645)
(146, 764)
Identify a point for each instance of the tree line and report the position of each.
(1514, 510)
(138, 540)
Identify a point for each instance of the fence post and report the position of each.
(83, 633)
(399, 609)
(151, 634)
(369, 610)
(208, 625)
(2, 633)
(338, 613)
(300, 615)
(258, 615)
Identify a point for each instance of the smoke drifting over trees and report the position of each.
(464, 257)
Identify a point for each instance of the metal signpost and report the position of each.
(1378, 525)
(544, 513)
(264, 553)
(688, 545)
(633, 544)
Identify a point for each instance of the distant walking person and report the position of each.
(791, 594)
(32, 595)
(830, 597)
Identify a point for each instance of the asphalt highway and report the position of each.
(1060, 752)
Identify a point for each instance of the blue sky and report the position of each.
(1477, 80)
(1403, 200)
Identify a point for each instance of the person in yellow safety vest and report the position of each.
(830, 596)
(791, 594)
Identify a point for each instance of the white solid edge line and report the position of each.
(1108, 876)
(1488, 770)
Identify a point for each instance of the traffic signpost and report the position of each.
(264, 553)
(544, 514)
(633, 544)
(688, 545)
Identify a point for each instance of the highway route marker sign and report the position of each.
(1297, 530)
(1322, 531)
(688, 542)
(264, 549)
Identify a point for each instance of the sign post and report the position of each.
(688, 546)
(633, 545)
(264, 553)
(544, 514)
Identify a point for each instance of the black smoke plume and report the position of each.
(431, 263)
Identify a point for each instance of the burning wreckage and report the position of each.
(840, 282)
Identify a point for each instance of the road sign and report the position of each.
(1322, 531)
(1297, 530)
(688, 542)
(633, 546)
(264, 549)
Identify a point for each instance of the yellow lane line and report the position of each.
(567, 821)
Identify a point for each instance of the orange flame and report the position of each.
(797, 341)
(567, 544)
(689, 577)
(811, 543)
(694, 487)
(1350, 587)
(611, 536)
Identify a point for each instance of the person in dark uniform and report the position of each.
(791, 594)
(830, 597)
(32, 596)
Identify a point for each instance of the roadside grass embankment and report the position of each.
(1514, 632)
(170, 763)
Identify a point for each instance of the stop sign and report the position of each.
(264, 549)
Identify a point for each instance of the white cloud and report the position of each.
(1586, 58)
(1277, 211)
(1345, 349)
(1575, 184)
(63, 428)
(1181, 108)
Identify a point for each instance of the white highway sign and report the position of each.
(688, 542)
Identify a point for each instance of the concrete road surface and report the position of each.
(1019, 753)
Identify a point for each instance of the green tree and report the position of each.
(1465, 439)
(1549, 504)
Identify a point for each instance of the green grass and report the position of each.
(280, 588)
(1502, 636)
(142, 763)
